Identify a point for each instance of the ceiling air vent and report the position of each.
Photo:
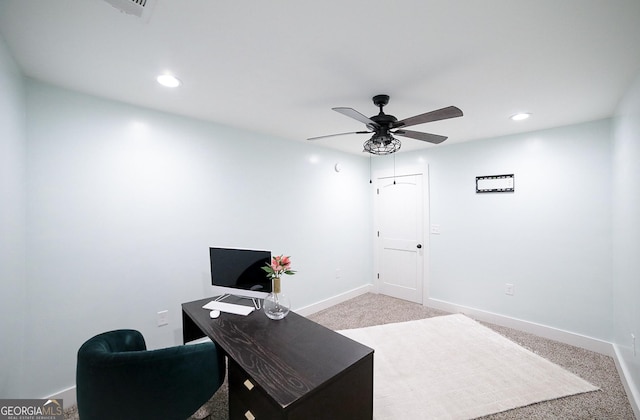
(139, 8)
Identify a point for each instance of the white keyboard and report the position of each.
(230, 308)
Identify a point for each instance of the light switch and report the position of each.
(163, 318)
(508, 289)
(435, 229)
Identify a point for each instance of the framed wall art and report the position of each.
(495, 183)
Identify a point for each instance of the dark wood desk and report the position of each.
(288, 369)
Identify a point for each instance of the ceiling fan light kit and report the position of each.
(383, 142)
(382, 145)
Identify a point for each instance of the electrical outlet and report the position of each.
(163, 318)
(508, 289)
(338, 273)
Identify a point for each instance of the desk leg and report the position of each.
(190, 330)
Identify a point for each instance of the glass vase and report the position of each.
(276, 305)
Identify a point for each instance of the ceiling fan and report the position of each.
(382, 142)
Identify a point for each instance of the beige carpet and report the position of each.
(451, 367)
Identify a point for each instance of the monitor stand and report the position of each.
(239, 300)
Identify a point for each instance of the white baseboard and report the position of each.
(334, 300)
(578, 340)
(68, 397)
(630, 388)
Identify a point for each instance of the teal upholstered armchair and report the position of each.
(118, 378)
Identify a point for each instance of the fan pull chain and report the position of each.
(394, 169)
(370, 180)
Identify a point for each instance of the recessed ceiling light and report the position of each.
(521, 116)
(168, 80)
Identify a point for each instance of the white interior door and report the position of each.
(400, 249)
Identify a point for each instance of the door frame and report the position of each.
(403, 170)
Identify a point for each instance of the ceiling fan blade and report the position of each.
(430, 138)
(437, 115)
(339, 134)
(350, 112)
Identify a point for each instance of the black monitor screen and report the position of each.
(240, 269)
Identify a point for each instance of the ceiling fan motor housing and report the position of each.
(383, 120)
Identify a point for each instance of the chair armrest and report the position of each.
(165, 383)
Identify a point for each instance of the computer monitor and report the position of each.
(239, 272)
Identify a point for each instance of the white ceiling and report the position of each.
(278, 67)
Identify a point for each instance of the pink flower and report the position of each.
(280, 265)
(285, 262)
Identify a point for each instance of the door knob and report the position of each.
(419, 246)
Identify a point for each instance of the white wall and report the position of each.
(626, 235)
(12, 225)
(123, 204)
(551, 238)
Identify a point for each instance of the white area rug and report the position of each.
(451, 367)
